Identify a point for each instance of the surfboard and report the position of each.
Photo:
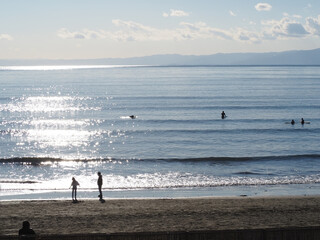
(128, 117)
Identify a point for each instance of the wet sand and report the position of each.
(154, 215)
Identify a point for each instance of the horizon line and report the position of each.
(97, 66)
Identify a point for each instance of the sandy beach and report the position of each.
(145, 215)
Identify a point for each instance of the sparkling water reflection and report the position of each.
(177, 139)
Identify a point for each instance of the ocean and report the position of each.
(59, 122)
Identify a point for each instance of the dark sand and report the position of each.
(144, 215)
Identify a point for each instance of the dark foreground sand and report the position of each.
(144, 215)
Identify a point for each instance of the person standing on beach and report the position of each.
(99, 182)
(74, 185)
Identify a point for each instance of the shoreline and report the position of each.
(225, 191)
(17, 201)
(160, 215)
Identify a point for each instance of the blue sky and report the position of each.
(81, 29)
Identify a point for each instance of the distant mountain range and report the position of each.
(298, 57)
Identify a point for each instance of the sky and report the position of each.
(89, 29)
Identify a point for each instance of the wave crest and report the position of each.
(39, 160)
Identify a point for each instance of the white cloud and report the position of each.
(313, 25)
(132, 31)
(5, 37)
(297, 16)
(263, 7)
(285, 28)
(245, 35)
(176, 13)
(201, 30)
(84, 34)
(232, 13)
(294, 15)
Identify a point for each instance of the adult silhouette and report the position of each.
(100, 182)
(74, 185)
(26, 232)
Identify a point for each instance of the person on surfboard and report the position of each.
(223, 115)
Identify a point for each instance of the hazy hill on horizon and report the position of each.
(297, 57)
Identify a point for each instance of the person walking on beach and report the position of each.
(99, 182)
(26, 232)
(74, 185)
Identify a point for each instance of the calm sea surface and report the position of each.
(62, 122)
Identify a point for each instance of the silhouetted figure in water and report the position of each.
(132, 117)
(26, 232)
(223, 115)
(100, 182)
(74, 185)
(292, 122)
(302, 121)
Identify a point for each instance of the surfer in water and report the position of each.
(292, 122)
(132, 117)
(302, 121)
(223, 115)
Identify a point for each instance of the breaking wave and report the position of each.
(39, 160)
